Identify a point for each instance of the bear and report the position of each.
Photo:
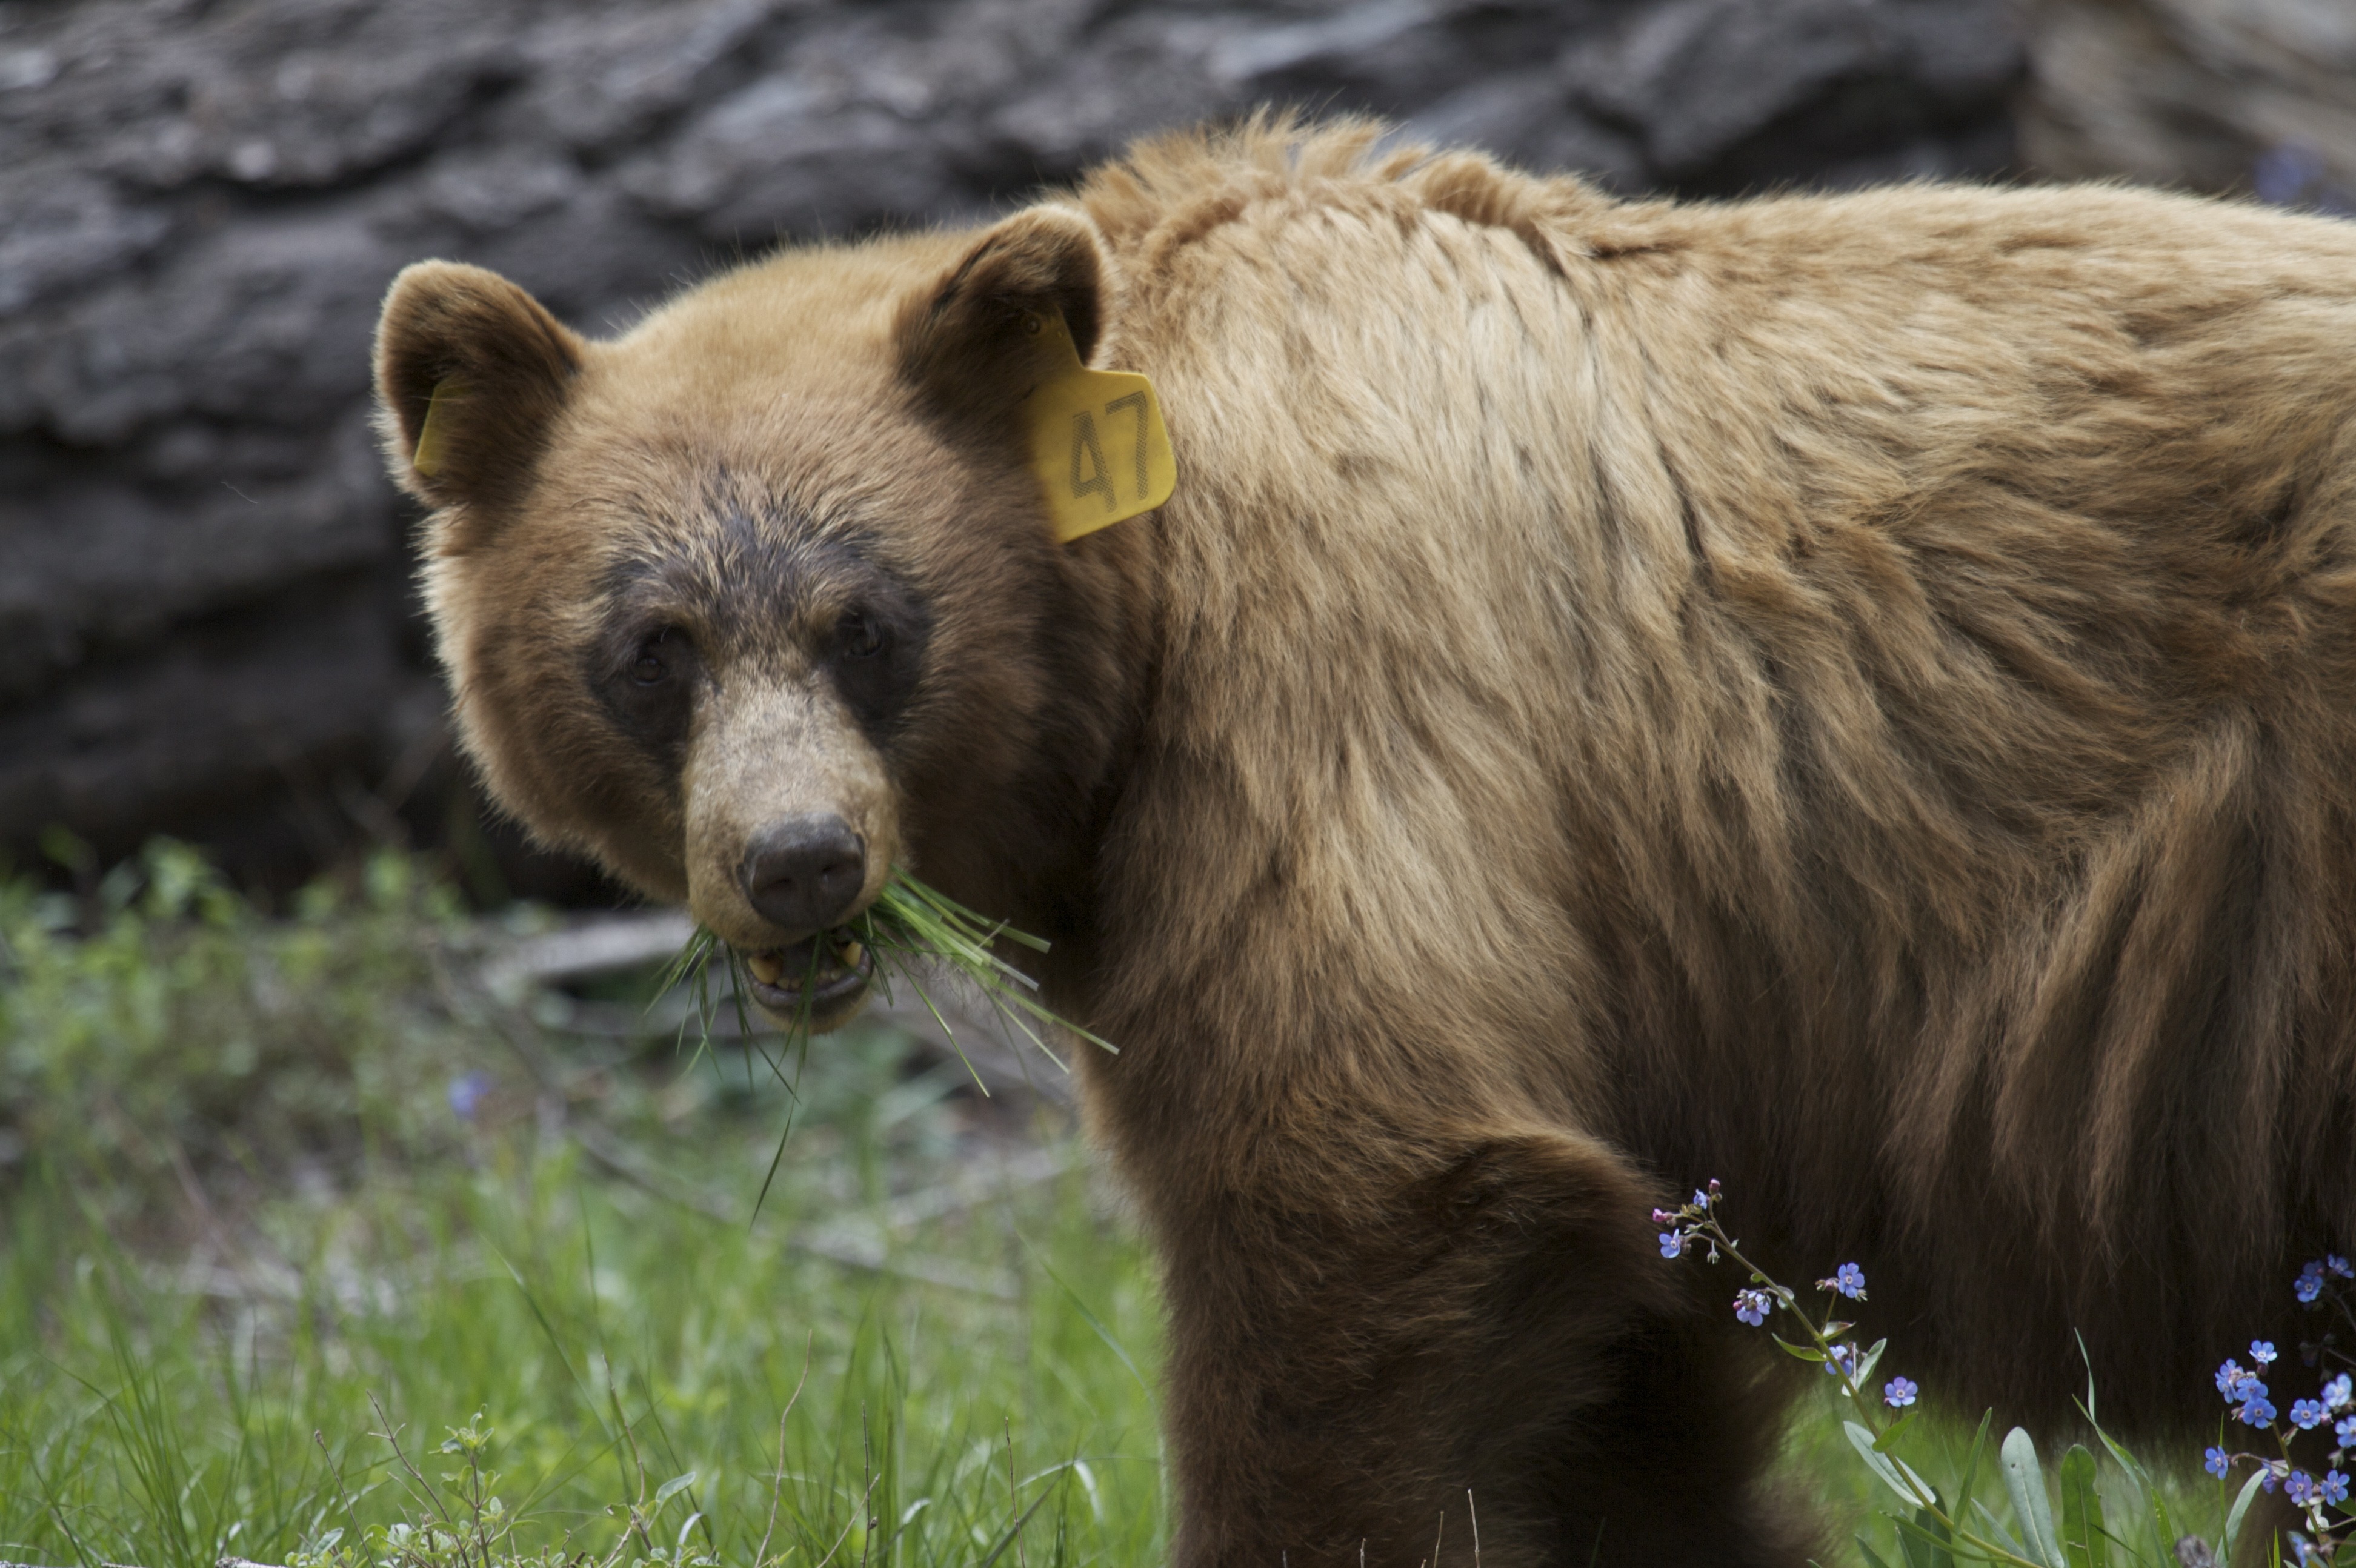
(1852, 694)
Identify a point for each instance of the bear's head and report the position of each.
(756, 601)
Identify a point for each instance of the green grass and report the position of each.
(243, 1218)
(263, 1291)
(1857, 1509)
(916, 934)
(612, 1342)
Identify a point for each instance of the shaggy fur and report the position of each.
(1854, 695)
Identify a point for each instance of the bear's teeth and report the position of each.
(767, 968)
(849, 954)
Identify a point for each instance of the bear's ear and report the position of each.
(470, 370)
(971, 342)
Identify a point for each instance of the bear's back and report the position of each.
(1883, 665)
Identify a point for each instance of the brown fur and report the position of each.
(1855, 696)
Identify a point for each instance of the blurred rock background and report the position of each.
(2218, 95)
(204, 576)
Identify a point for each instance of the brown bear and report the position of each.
(1851, 695)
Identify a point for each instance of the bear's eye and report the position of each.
(860, 635)
(657, 657)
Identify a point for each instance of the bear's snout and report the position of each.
(804, 872)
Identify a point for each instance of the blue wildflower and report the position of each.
(1700, 1199)
(2309, 1283)
(1899, 1393)
(2339, 1392)
(2216, 1461)
(2245, 1387)
(1672, 1244)
(1842, 1360)
(2255, 1410)
(2306, 1414)
(2339, 1266)
(1848, 1279)
(2285, 173)
(1752, 1307)
(2262, 1351)
(2228, 1378)
(2346, 1431)
(2335, 1487)
(467, 1093)
(2301, 1487)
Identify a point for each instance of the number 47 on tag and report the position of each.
(1097, 444)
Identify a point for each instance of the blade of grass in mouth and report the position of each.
(908, 926)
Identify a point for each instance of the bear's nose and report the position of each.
(803, 871)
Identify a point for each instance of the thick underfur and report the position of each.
(1854, 695)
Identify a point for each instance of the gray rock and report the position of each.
(1709, 83)
(61, 230)
(203, 575)
(2214, 95)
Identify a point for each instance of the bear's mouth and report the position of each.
(818, 981)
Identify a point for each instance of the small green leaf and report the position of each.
(2004, 1537)
(1972, 1469)
(2085, 1542)
(1927, 1540)
(1866, 1550)
(673, 1488)
(1881, 1444)
(2024, 1482)
(2135, 1472)
(1894, 1472)
(1871, 1360)
(2241, 1507)
(1802, 1352)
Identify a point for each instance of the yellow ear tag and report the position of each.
(1098, 442)
(427, 458)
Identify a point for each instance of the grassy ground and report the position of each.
(255, 1256)
(311, 1251)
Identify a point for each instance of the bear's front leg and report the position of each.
(1478, 1344)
